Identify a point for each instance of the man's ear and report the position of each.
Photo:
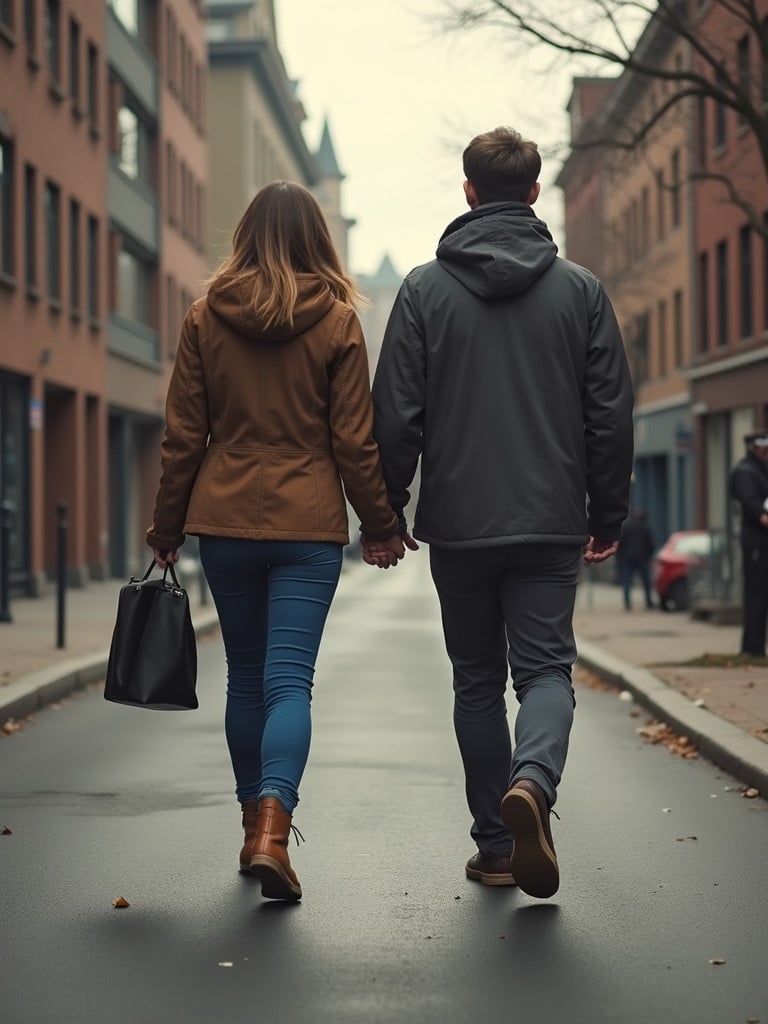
(471, 195)
(534, 193)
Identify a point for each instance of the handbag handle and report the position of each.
(168, 568)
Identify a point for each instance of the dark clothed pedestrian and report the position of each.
(269, 411)
(635, 555)
(748, 483)
(503, 371)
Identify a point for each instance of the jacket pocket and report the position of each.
(228, 489)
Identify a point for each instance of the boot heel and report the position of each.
(275, 883)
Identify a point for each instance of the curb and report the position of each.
(37, 690)
(724, 744)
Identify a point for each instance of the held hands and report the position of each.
(165, 558)
(384, 553)
(599, 550)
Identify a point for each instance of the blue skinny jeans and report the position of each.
(272, 598)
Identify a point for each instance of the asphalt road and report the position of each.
(106, 801)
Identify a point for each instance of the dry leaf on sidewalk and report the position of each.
(120, 902)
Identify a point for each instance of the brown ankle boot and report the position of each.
(269, 853)
(250, 821)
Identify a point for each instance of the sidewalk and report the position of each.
(723, 708)
(685, 672)
(34, 672)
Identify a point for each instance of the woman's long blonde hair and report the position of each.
(284, 233)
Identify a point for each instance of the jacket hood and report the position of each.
(497, 250)
(235, 299)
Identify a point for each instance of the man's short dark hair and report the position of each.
(502, 166)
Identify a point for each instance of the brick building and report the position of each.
(103, 179)
(729, 371)
(682, 266)
(53, 286)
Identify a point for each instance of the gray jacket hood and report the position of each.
(497, 250)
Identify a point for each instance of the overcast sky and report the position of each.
(402, 100)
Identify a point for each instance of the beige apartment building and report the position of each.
(256, 119)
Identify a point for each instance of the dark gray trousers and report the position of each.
(510, 605)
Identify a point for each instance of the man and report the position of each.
(503, 369)
(749, 486)
(634, 556)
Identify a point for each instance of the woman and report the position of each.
(268, 411)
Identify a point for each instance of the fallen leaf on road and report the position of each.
(120, 902)
(11, 726)
(666, 810)
(626, 695)
(659, 732)
(226, 963)
(5, 831)
(753, 1020)
(751, 793)
(717, 961)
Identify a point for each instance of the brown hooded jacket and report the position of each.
(264, 424)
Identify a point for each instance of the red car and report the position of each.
(672, 564)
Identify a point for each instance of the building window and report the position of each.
(704, 302)
(6, 208)
(30, 25)
(645, 216)
(702, 109)
(93, 268)
(662, 334)
(134, 285)
(74, 256)
(53, 239)
(6, 13)
(53, 38)
(677, 326)
(675, 174)
(742, 67)
(74, 61)
(93, 84)
(660, 202)
(721, 115)
(135, 146)
(721, 291)
(30, 226)
(745, 280)
(764, 63)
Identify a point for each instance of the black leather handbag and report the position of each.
(153, 656)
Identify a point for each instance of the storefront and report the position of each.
(663, 480)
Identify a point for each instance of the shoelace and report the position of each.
(297, 834)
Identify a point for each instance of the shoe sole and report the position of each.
(275, 883)
(490, 879)
(533, 863)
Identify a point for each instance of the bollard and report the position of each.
(61, 572)
(6, 515)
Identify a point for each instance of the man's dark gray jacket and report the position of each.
(503, 367)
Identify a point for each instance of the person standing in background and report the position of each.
(634, 556)
(748, 483)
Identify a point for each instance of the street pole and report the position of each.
(61, 572)
(6, 515)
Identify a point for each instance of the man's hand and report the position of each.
(165, 558)
(599, 550)
(384, 553)
(764, 519)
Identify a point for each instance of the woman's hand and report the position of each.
(383, 553)
(165, 558)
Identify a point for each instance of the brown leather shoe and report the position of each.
(250, 819)
(269, 861)
(533, 863)
(489, 870)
